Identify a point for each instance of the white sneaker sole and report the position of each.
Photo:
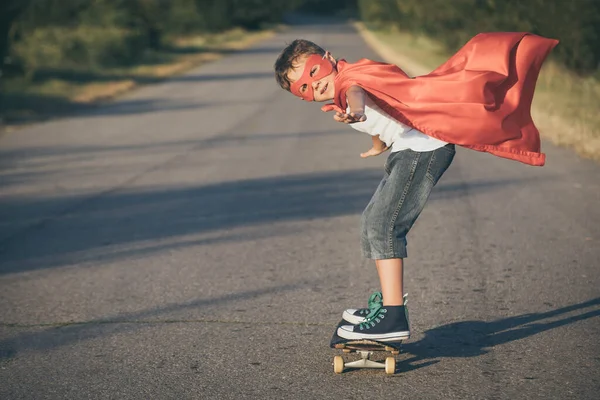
(385, 337)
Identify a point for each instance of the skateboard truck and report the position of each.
(364, 362)
(365, 348)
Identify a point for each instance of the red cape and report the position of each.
(480, 98)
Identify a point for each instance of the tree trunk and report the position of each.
(154, 38)
(9, 11)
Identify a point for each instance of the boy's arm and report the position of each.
(356, 102)
(356, 99)
(379, 147)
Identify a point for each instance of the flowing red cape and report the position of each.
(480, 98)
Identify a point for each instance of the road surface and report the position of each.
(198, 239)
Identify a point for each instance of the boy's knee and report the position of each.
(379, 243)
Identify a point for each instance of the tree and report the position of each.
(9, 11)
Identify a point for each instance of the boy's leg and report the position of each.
(390, 273)
(396, 206)
(390, 214)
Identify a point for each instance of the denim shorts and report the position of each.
(399, 199)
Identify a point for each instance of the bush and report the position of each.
(88, 34)
(575, 23)
(84, 47)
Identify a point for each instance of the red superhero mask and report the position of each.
(325, 68)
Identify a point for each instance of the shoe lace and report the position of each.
(374, 300)
(375, 311)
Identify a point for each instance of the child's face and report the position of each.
(313, 77)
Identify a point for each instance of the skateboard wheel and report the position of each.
(347, 350)
(338, 364)
(390, 365)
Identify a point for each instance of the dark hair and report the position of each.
(289, 55)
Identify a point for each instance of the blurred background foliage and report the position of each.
(37, 35)
(576, 23)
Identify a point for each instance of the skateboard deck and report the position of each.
(365, 348)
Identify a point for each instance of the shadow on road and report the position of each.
(36, 108)
(475, 338)
(133, 223)
(30, 160)
(461, 339)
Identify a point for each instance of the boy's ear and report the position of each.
(330, 57)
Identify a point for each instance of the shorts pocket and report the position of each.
(439, 163)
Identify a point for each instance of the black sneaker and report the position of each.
(385, 324)
(356, 316)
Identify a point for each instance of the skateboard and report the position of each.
(365, 348)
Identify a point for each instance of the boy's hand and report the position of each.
(373, 151)
(379, 147)
(350, 118)
(341, 116)
(331, 107)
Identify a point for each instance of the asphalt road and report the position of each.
(198, 239)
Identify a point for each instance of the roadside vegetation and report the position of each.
(56, 56)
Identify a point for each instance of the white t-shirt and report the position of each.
(394, 133)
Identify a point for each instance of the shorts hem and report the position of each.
(375, 256)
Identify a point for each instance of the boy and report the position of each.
(480, 99)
